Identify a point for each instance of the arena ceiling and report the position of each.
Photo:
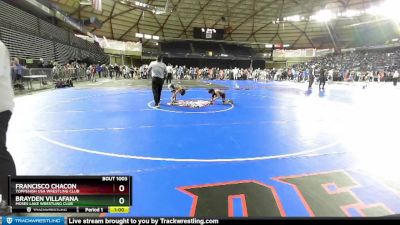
(244, 21)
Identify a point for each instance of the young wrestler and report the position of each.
(216, 93)
(176, 89)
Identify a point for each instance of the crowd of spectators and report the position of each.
(371, 65)
(375, 65)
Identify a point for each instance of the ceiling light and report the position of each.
(350, 13)
(145, 6)
(389, 9)
(85, 2)
(323, 16)
(295, 18)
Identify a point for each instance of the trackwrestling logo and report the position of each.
(32, 220)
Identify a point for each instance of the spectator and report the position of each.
(169, 73)
(7, 165)
(99, 70)
(322, 79)
(395, 78)
(41, 63)
(18, 71)
(311, 78)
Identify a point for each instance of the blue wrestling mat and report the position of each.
(280, 150)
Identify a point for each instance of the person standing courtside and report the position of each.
(395, 77)
(322, 79)
(311, 78)
(158, 71)
(7, 165)
(169, 73)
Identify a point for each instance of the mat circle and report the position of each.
(216, 108)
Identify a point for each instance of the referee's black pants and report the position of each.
(157, 85)
(7, 166)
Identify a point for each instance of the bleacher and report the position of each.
(53, 32)
(204, 47)
(10, 15)
(200, 49)
(27, 36)
(65, 52)
(236, 50)
(30, 46)
(196, 53)
(179, 47)
(359, 60)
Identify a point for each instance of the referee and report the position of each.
(158, 72)
(7, 166)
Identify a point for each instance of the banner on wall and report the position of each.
(322, 52)
(301, 53)
(298, 53)
(133, 47)
(121, 48)
(116, 47)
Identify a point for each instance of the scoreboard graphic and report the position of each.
(88, 194)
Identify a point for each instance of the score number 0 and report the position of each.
(121, 200)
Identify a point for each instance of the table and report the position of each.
(31, 77)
